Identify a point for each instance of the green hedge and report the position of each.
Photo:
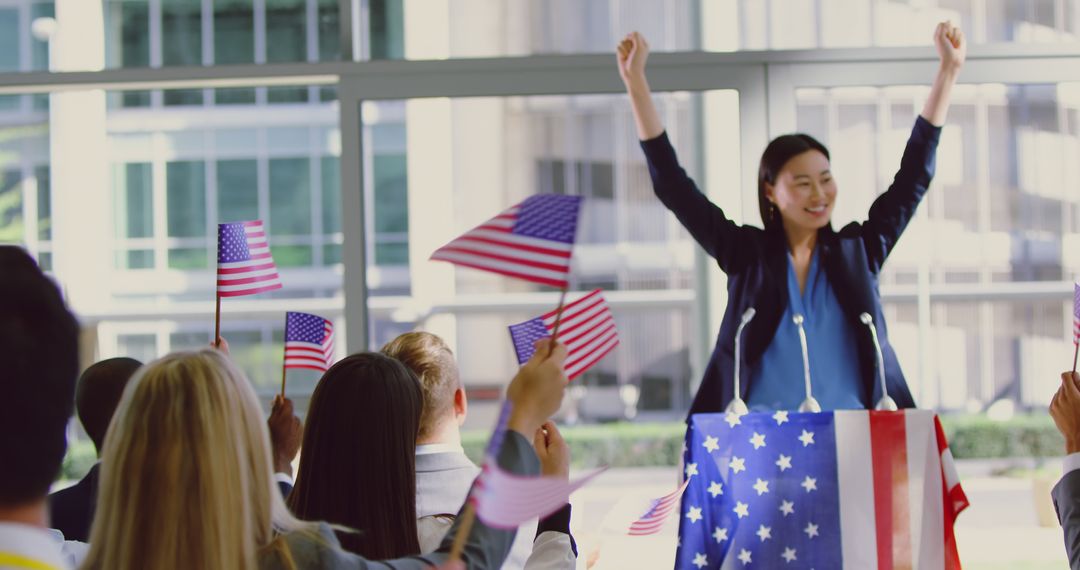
(659, 444)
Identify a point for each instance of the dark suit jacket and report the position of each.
(71, 510)
(1066, 496)
(755, 261)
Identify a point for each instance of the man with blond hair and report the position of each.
(444, 474)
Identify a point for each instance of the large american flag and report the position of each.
(505, 500)
(1076, 314)
(840, 490)
(245, 266)
(531, 241)
(586, 327)
(309, 341)
(654, 518)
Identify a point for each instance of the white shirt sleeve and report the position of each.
(1070, 463)
(283, 478)
(551, 551)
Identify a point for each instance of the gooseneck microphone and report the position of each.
(886, 403)
(809, 404)
(737, 406)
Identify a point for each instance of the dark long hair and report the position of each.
(782, 149)
(358, 465)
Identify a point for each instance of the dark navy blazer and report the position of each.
(755, 261)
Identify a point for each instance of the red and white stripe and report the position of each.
(494, 247)
(504, 500)
(900, 492)
(257, 275)
(653, 519)
(587, 328)
(300, 354)
(1076, 330)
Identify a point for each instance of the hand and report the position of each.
(286, 433)
(221, 344)
(951, 45)
(553, 452)
(1065, 409)
(536, 392)
(632, 53)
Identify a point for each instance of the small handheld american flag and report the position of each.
(586, 327)
(531, 241)
(309, 341)
(245, 266)
(653, 519)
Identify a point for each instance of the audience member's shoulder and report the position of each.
(316, 548)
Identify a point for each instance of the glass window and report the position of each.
(186, 191)
(134, 200)
(40, 49)
(44, 202)
(237, 190)
(331, 194)
(286, 31)
(391, 209)
(290, 197)
(329, 28)
(181, 32)
(141, 347)
(387, 26)
(234, 31)
(11, 207)
(127, 42)
(9, 39)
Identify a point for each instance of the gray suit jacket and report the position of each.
(1066, 496)
(486, 547)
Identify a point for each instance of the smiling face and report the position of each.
(804, 192)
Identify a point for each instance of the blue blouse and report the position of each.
(835, 378)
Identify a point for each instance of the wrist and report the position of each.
(949, 70)
(636, 85)
(283, 465)
(523, 422)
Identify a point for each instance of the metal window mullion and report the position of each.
(213, 216)
(262, 181)
(355, 288)
(315, 182)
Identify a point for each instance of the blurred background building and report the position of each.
(117, 184)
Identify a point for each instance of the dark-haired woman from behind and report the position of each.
(358, 466)
(798, 265)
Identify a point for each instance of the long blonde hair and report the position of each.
(186, 475)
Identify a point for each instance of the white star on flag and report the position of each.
(810, 484)
(711, 443)
(806, 438)
(715, 488)
(789, 555)
(742, 509)
(694, 515)
(737, 464)
(761, 487)
(691, 470)
(787, 507)
(732, 419)
(758, 441)
(780, 417)
(744, 556)
(784, 463)
(720, 534)
(811, 530)
(764, 532)
(700, 561)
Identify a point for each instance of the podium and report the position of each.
(845, 489)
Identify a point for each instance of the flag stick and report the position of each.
(1076, 353)
(467, 518)
(283, 369)
(558, 321)
(217, 322)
